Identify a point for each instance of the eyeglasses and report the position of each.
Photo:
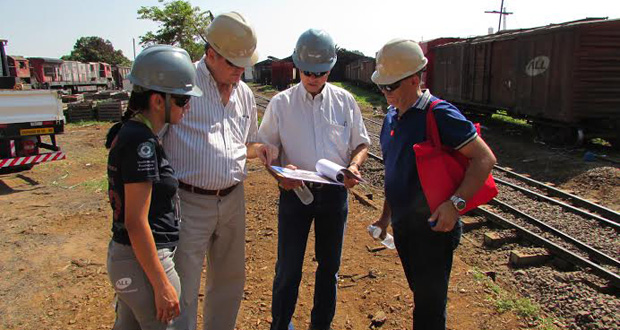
(181, 100)
(315, 74)
(391, 87)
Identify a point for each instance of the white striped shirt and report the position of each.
(207, 148)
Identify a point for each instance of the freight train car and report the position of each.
(563, 78)
(282, 74)
(359, 71)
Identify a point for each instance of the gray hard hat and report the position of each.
(315, 51)
(165, 69)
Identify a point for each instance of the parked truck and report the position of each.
(29, 122)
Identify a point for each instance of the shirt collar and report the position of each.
(422, 102)
(308, 97)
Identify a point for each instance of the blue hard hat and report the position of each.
(315, 51)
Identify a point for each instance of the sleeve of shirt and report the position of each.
(139, 161)
(455, 130)
(268, 131)
(359, 134)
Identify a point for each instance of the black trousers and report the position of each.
(426, 257)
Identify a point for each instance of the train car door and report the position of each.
(502, 80)
(480, 65)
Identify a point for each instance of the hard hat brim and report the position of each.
(313, 67)
(380, 79)
(244, 62)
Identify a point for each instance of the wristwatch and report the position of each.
(458, 202)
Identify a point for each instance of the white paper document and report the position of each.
(327, 172)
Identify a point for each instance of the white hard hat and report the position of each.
(231, 36)
(398, 59)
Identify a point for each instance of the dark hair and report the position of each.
(138, 102)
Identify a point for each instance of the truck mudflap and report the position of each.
(30, 160)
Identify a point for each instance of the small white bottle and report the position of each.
(304, 194)
(388, 241)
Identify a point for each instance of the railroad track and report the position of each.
(572, 228)
(546, 220)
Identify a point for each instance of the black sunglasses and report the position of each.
(391, 87)
(180, 100)
(315, 74)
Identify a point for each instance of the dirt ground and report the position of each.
(57, 227)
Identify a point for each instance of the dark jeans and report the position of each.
(329, 212)
(426, 257)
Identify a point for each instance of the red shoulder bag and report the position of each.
(442, 169)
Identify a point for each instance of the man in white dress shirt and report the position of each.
(208, 151)
(310, 121)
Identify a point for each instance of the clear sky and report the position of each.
(49, 28)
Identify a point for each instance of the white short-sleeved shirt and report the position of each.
(308, 129)
(207, 148)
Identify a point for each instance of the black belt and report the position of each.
(196, 190)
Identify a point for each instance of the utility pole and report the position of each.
(502, 12)
(134, 48)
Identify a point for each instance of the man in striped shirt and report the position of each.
(208, 151)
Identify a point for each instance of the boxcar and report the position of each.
(428, 48)
(564, 78)
(359, 71)
(282, 74)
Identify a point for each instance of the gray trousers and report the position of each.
(213, 227)
(135, 305)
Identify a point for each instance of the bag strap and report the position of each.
(432, 132)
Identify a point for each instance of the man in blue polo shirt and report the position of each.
(425, 242)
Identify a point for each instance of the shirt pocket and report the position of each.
(240, 127)
(336, 141)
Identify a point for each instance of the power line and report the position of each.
(502, 12)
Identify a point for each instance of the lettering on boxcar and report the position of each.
(537, 66)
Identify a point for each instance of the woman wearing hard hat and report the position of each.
(143, 191)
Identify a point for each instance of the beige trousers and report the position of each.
(211, 227)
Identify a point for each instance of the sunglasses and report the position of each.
(315, 74)
(180, 100)
(391, 87)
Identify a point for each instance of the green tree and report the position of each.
(180, 25)
(96, 49)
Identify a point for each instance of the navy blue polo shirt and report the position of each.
(402, 184)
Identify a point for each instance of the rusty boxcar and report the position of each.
(359, 71)
(564, 78)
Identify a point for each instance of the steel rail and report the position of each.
(578, 201)
(613, 278)
(594, 253)
(581, 212)
(375, 157)
(373, 121)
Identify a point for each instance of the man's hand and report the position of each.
(288, 184)
(383, 223)
(352, 182)
(444, 218)
(266, 153)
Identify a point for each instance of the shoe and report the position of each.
(313, 328)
